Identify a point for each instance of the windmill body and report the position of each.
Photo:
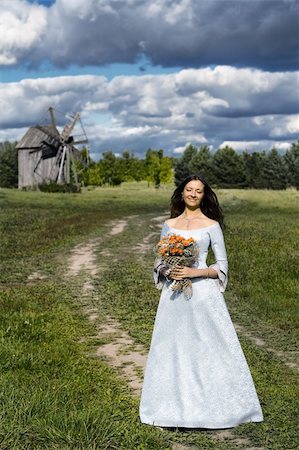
(45, 155)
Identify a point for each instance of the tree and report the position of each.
(202, 163)
(152, 163)
(274, 171)
(130, 168)
(94, 175)
(229, 168)
(126, 163)
(8, 165)
(253, 164)
(158, 167)
(166, 170)
(291, 159)
(109, 169)
(182, 167)
(139, 169)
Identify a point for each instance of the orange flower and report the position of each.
(173, 244)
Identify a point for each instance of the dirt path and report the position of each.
(83, 258)
(121, 352)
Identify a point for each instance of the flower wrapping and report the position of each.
(175, 250)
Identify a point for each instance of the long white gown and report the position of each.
(196, 374)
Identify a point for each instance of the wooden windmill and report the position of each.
(45, 155)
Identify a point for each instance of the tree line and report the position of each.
(224, 168)
(111, 170)
(228, 169)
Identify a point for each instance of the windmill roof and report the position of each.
(35, 135)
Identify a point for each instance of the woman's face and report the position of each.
(193, 193)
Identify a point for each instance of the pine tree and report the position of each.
(202, 164)
(291, 159)
(253, 165)
(183, 166)
(229, 168)
(275, 171)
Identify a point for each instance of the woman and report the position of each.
(196, 374)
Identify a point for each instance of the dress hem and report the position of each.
(206, 427)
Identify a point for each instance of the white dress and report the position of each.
(196, 375)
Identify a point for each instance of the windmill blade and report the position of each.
(60, 177)
(67, 130)
(56, 165)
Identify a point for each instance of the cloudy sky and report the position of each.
(159, 74)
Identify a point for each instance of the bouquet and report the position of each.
(176, 250)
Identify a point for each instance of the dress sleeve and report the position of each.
(218, 247)
(159, 279)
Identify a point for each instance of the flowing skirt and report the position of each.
(196, 374)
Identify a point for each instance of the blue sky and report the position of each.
(9, 74)
(157, 74)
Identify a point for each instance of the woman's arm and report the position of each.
(180, 272)
(219, 250)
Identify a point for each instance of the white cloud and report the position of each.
(287, 126)
(163, 111)
(255, 145)
(22, 26)
(26, 101)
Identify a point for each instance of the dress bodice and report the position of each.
(206, 237)
(202, 236)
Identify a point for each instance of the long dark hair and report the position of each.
(209, 204)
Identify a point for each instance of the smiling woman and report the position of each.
(196, 374)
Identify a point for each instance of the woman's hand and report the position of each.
(180, 272)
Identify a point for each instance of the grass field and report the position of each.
(53, 395)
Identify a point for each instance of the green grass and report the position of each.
(53, 395)
(263, 247)
(36, 226)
